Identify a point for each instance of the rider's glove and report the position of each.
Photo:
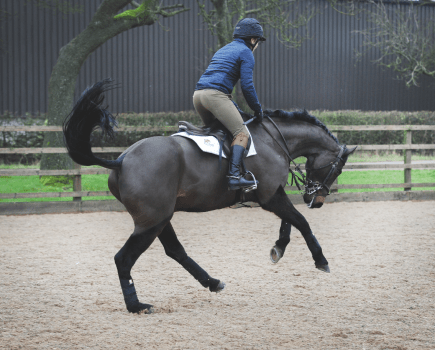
(259, 116)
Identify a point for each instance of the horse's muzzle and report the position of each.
(315, 201)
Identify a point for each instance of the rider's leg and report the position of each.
(206, 116)
(235, 170)
(212, 104)
(221, 106)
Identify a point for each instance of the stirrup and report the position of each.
(250, 188)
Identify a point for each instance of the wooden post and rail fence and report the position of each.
(78, 205)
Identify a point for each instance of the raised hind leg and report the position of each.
(138, 243)
(282, 207)
(277, 252)
(175, 250)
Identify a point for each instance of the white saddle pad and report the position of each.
(210, 144)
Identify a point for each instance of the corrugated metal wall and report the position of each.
(158, 68)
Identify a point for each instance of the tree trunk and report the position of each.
(224, 24)
(71, 58)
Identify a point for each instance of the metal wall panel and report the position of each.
(158, 66)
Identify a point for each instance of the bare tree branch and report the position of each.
(162, 10)
(170, 14)
(172, 7)
(285, 17)
(403, 40)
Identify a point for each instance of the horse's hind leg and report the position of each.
(281, 206)
(277, 252)
(138, 242)
(175, 250)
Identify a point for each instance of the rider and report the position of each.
(212, 97)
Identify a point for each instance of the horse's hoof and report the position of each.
(140, 308)
(218, 288)
(275, 254)
(324, 268)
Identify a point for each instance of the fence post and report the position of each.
(77, 182)
(407, 159)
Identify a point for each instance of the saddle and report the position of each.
(216, 129)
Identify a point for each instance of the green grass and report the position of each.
(382, 177)
(32, 184)
(385, 177)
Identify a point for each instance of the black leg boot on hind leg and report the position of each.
(236, 171)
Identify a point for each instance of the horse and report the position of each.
(158, 176)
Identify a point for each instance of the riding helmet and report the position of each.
(248, 28)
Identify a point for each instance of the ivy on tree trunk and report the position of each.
(105, 24)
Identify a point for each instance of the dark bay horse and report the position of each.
(158, 176)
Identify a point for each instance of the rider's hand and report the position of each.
(259, 116)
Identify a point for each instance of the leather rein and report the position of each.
(299, 178)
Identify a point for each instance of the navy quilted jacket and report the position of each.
(232, 62)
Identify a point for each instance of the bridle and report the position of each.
(313, 187)
(298, 177)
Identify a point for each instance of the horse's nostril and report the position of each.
(317, 202)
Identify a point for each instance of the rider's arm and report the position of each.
(248, 89)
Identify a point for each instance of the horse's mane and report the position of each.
(300, 114)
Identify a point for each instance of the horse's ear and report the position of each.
(349, 151)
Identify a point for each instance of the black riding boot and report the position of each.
(236, 180)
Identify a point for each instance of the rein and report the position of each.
(302, 180)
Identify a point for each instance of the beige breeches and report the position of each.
(211, 104)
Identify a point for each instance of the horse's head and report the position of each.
(322, 170)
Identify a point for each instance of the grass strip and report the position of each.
(32, 184)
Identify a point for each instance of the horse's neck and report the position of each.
(305, 139)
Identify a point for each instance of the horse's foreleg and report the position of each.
(281, 206)
(277, 252)
(138, 242)
(175, 250)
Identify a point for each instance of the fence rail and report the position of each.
(78, 194)
(175, 128)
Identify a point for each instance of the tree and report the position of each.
(104, 25)
(283, 16)
(404, 40)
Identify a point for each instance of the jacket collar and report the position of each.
(242, 41)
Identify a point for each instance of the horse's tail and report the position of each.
(87, 115)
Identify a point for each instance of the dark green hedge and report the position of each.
(379, 118)
(124, 139)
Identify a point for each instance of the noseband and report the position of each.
(310, 187)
